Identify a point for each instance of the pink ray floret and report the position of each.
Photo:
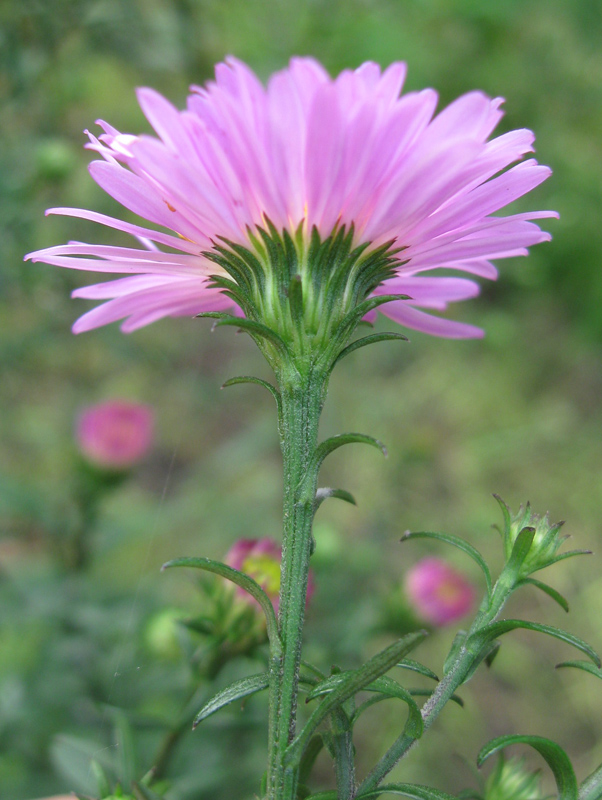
(313, 151)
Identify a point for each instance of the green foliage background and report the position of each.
(518, 413)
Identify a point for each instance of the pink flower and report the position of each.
(116, 434)
(260, 559)
(307, 150)
(439, 593)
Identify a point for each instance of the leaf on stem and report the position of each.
(491, 632)
(416, 666)
(334, 442)
(245, 582)
(557, 760)
(339, 494)
(428, 692)
(586, 666)
(250, 379)
(236, 691)
(562, 601)
(412, 790)
(455, 541)
(353, 682)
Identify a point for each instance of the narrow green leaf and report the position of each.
(428, 692)
(314, 670)
(104, 787)
(376, 337)
(495, 629)
(416, 666)
(334, 442)
(556, 758)
(491, 655)
(250, 379)
(236, 691)
(562, 601)
(312, 751)
(256, 329)
(355, 681)
(412, 790)
(562, 556)
(384, 686)
(586, 666)
(455, 541)
(245, 582)
(339, 494)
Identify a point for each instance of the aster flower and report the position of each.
(439, 593)
(116, 434)
(249, 174)
(260, 559)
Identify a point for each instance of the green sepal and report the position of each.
(143, 792)
(355, 682)
(366, 340)
(412, 790)
(562, 556)
(349, 322)
(213, 315)
(256, 330)
(340, 494)
(591, 788)
(455, 541)
(258, 381)
(428, 692)
(560, 599)
(586, 666)
(520, 551)
(295, 299)
(490, 632)
(383, 685)
(556, 758)
(416, 666)
(245, 582)
(334, 442)
(236, 691)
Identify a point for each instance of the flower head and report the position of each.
(546, 542)
(253, 179)
(260, 559)
(438, 592)
(116, 434)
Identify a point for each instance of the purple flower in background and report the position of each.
(260, 559)
(116, 434)
(306, 152)
(439, 593)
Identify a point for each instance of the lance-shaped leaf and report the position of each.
(250, 379)
(428, 692)
(340, 494)
(385, 686)
(355, 681)
(455, 541)
(413, 790)
(520, 551)
(416, 666)
(366, 340)
(334, 442)
(245, 582)
(491, 632)
(554, 755)
(586, 666)
(236, 691)
(591, 788)
(562, 601)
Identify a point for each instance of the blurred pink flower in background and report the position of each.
(311, 151)
(439, 593)
(260, 559)
(115, 434)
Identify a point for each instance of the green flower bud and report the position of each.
(512, 781)
(546, 539)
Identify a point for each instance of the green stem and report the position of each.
(451, 681)
(302, 401)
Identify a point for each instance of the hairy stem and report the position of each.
(302, 399)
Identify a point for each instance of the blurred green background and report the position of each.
(517, 413)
